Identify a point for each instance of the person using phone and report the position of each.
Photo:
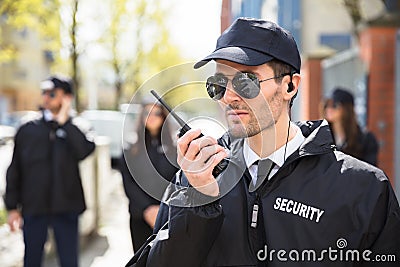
(44, 188)
(287, 197)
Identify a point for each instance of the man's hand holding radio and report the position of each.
(197, 158)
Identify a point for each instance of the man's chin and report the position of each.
(238, 132)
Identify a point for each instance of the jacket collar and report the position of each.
(318, 140)
(318, 136)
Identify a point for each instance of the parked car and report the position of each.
(6, 134)
(110, 123)
(17, 118)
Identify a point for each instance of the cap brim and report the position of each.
(47, 85)
(239, 55)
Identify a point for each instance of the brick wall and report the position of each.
(226, 14)
(311, 83)
(377, 48)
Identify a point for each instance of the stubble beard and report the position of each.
(265, 120)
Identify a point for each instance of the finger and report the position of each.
(196, 147)
(203, 162)
(207, 152)
(13, 226)
(217, 158)
(184, 141)
(66, 102)
(67, 98)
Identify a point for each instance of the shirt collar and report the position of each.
(48, 116)
(278, 156)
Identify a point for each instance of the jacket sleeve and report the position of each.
(191, 229)
(12, 196)
(138, 199)
(81, 144)
(384, 229)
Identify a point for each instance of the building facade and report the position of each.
(20, 77)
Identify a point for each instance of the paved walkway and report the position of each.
(110, 247)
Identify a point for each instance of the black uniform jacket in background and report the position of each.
(320, 200)
(43, 177)
(369, 147)
(147, 167)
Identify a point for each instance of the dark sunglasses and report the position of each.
(51, 94)
(245, 84)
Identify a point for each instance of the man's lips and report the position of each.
(236, 113)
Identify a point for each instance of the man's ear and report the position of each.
(292, 88)
(292, 82)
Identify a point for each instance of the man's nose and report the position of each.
(230, 94)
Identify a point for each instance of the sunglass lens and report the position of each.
(216, 86)
(246, 85)
(50, 94)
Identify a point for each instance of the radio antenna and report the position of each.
(177, 118)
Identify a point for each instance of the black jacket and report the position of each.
(318, 206)
(146, 168)
(43, 177)
(367, 148)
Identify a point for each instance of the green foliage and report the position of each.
(132, 34)
(37, 15)
(143, 22)
(3, 216)
(7, 52)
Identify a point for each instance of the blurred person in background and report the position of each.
(44, 186)
(349, 137)
(151, 158)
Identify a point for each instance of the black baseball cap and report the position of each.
(54, 82)
(253, 42)
(341, 95)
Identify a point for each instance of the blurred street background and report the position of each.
(117, 50)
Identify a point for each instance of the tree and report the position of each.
(354, 10)
(390, 16)
(136, 25)
(75, 54)
(71, 45)
(116, 29)
(37, 15)
(152, 48)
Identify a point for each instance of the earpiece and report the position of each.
(290, 87)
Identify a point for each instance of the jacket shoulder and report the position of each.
(351, 166)
(82, 124)
(28, 125)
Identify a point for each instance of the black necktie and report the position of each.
(53, 127)
(264, 168)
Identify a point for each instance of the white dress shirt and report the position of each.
(278, 157)
(48, 116)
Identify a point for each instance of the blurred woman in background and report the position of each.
(144, 166)
(348, 135)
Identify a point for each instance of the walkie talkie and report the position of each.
(185, 127)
